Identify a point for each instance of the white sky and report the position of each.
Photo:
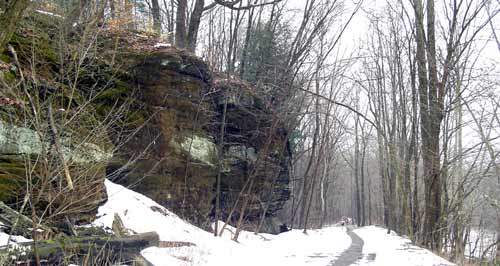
(358, 29)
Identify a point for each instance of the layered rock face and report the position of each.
(27, 160)
(256, 153)
(180, 142)
(173, 159)
(36, 156)
(147, 118)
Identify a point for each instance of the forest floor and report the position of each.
(330, 246)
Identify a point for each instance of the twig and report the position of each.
(57, 145)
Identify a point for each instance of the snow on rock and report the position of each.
(49, 13)
(4, 239)
(382, 249)
(11, 241)
(162, 45)
(140, 214)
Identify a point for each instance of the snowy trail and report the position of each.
(353, 253)
(330, 246)
(382, 249)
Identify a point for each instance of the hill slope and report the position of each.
(319, 247)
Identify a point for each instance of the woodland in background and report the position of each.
(402, 129)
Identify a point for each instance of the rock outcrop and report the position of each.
(256, 148)
(165, 138)
(49, 131)
(183, 106)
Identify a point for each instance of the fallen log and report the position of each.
(16, 223)
(75, 249)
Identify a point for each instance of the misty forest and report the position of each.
(249, 132)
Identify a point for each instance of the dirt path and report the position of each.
(353, 253)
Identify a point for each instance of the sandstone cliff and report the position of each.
(144, 116)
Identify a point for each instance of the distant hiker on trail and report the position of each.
(284, 228)
(344, 220)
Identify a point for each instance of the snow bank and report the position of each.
(385, 249)
(140, 214)
(4, 239)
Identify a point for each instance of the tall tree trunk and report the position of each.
(430, 121)
(248, 33)
(369, 201)
(155, 10)
(324, 190)
(356, 173)
(306, 182)
(362, 177)
(194, 25)
(413, 151)
(180, 24)
(433, 175)
(383, 177)
(459, 219)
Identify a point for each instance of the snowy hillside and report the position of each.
(140, 214)
(319, 247)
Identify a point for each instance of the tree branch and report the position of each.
(232, 4)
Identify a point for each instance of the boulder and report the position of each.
(182, 113)
(163, 142)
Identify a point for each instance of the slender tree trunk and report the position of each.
(459, 219)
(243, 209)
(156, 16)
(369, 201)
(306, 181)
(194, 25)
(180, 24)
(219, 168)
(356, 173)
(248, 34)
(322, 192)
(413, 151)
(383, 178)
(362, 177)
(112, 8)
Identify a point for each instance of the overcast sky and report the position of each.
(358, 28)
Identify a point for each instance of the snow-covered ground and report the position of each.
(322, 247)
(12, 241)
(140, 214)
(318, 247)
(384, 249)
